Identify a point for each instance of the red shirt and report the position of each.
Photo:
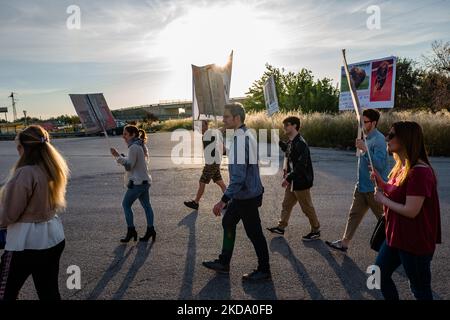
(420, 234)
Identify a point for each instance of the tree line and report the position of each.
(423, 84)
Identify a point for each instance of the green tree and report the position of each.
(295, 91)
(408, 84)
(255, 95)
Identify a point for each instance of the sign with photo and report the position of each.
(93, 111)
(374, 82)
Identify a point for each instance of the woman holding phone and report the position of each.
(412, 213)
(138, 181)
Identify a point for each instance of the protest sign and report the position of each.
(270, 96)
(93, 111)
(211, 89)
(374, 83)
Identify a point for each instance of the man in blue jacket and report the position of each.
(242, 198)
(363, 196)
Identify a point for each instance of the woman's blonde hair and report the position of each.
(410, 136)
(37, 150)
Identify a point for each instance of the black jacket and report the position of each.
(299, 167)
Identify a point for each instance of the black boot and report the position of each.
(151, 233)
(131, 234)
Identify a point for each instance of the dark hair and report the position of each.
(293, 121)
(372, 114)
(236, 109)
(138, 133)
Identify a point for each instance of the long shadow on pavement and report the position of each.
(188, 277)
(280, 245)
(143, 251)
(353, 279)
(260, 290)
(218, 288)
(115, 266)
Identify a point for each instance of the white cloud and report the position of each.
(141, 51)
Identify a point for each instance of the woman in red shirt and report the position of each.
(412, 213)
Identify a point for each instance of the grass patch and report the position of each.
(339, 130)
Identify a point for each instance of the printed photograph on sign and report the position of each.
(360, 74)
(381, 82)
(374, 81)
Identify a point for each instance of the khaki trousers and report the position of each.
(362, 201)
(303, 197)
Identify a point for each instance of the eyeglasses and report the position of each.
(390, 136)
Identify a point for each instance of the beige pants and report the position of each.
(362, 201)
(303, 197)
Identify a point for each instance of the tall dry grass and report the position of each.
(339, 130)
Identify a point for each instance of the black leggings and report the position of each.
(42, 265)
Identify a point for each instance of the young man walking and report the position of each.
(298, 180)
(211, 170)
(363, 196)
(243, 197)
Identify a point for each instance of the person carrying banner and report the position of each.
(412, 212)
(138, 181)
(211, 170)
(363, 195)
(243, 197)
(29, 202)
(298, 179)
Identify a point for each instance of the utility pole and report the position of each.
(14, 106)
(26, 120)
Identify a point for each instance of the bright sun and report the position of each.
(207, 35)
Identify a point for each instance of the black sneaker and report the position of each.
(191, 204)
(276, 230)
(337, 245)
(311, 236)
(217, 266)
(257, 275)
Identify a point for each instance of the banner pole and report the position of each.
(357, 108)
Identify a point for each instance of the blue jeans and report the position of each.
(417, 269)
(140, 192)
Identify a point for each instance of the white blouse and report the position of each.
(34, 236)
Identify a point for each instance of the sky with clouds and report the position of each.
(139, 52)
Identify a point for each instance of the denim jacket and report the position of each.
(377, 148)
(245, 181)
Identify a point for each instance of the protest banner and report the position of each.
(374, 83)
(211, 89)
(94, 112)
(270, 96)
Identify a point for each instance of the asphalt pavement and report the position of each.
(171, 267)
